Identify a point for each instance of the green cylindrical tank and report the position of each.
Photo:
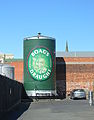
(39, 66)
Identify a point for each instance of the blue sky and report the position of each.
(71, 20)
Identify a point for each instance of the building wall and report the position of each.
(77, 72)
(79, 76)
(5, 56)
(78, 59)
(18, 72)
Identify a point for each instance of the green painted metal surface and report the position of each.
(39, 63)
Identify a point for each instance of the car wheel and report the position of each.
(85, 98)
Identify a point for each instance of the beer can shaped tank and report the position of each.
(39, 65)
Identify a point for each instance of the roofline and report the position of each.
(13, 60)
(75, 63)
(75, 54)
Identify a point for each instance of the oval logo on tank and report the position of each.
(40, 63)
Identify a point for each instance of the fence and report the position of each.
(10, 93)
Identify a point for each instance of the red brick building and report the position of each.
(73, 70)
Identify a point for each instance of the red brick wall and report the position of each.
(78, 59)
(76, 74)
(18, 70)
(79, 76)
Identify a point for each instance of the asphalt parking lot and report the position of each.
(53, 110)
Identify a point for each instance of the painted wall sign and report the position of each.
(40, 63)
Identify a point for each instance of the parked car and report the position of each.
(78, 93)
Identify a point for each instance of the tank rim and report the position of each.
(39, 37)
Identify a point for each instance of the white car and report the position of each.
(78, 93)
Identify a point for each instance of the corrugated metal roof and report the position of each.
(74, 54)
(87, 63)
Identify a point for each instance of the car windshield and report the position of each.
(80, 90)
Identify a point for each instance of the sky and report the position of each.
(64, 20)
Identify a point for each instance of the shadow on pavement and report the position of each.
(16, 112)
